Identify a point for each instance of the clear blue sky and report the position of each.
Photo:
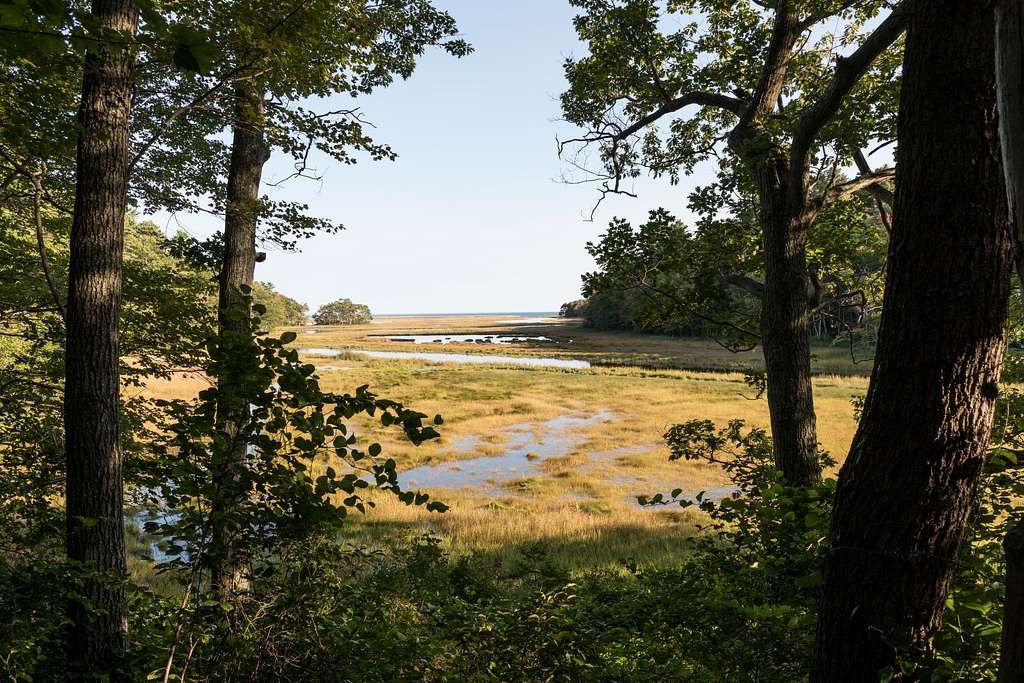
(471, 216)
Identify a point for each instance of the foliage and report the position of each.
(343, 312)
(303, 468)
(642, 54)
(572, 309)
(164, 319)
(280, 310)
(662, 277)
(665, 87)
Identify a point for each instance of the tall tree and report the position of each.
(780, 101)
(1010, 96)
(95, 516)
(906, 489)
(278, 57)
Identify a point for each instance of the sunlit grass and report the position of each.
(581, 506)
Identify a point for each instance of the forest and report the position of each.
(779, 437)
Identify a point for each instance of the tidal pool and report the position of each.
(481, 359)
(525, 450)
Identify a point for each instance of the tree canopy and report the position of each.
(343, 312)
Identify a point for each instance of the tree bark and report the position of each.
(1011, 654)
(1010, 94)
(95, 516)
(785, 333)
(906, 488)
(248, 155)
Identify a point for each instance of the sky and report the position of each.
(471, 217)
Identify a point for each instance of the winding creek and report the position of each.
(467, 358)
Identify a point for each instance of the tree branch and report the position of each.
(37, 215)
(879, 192)
(730, 104)
(36, 178)
(748, 284)
(859, 184)
(847, 72)
(785, 30)
(883, 195)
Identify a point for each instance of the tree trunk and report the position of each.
(1010, 94)
(906, 489)
(95, 515)
(784, 330)
(1011, 655)
(248, 154)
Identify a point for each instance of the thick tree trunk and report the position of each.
(1010, 93)
(95, 516)
(248, 154)
(905, 491)
(785, 332)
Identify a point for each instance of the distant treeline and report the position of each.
(707, 280)
(624, 310)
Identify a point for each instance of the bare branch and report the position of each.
(36, 178)
(730, 104)
(859, 184)
(883, 195)
(37, 215)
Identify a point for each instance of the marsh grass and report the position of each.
(569, 339)
(579, 507)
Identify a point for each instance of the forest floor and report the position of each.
(549, 457)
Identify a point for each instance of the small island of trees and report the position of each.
(343, 312)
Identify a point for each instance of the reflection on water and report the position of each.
(138, 518)
(528, 447)
(480, 359)
(501, 339)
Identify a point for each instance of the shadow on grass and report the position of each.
(601, 547)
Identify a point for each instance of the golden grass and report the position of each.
(581, 506)
(570, 340)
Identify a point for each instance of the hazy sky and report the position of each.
(471, 216)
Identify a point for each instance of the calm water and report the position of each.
(466, 339)
(526, 449)
(477, 359)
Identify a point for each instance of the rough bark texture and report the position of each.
(95, 522)
(248, 154)
(905, 490)
(785, 334)
(1011, 656)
